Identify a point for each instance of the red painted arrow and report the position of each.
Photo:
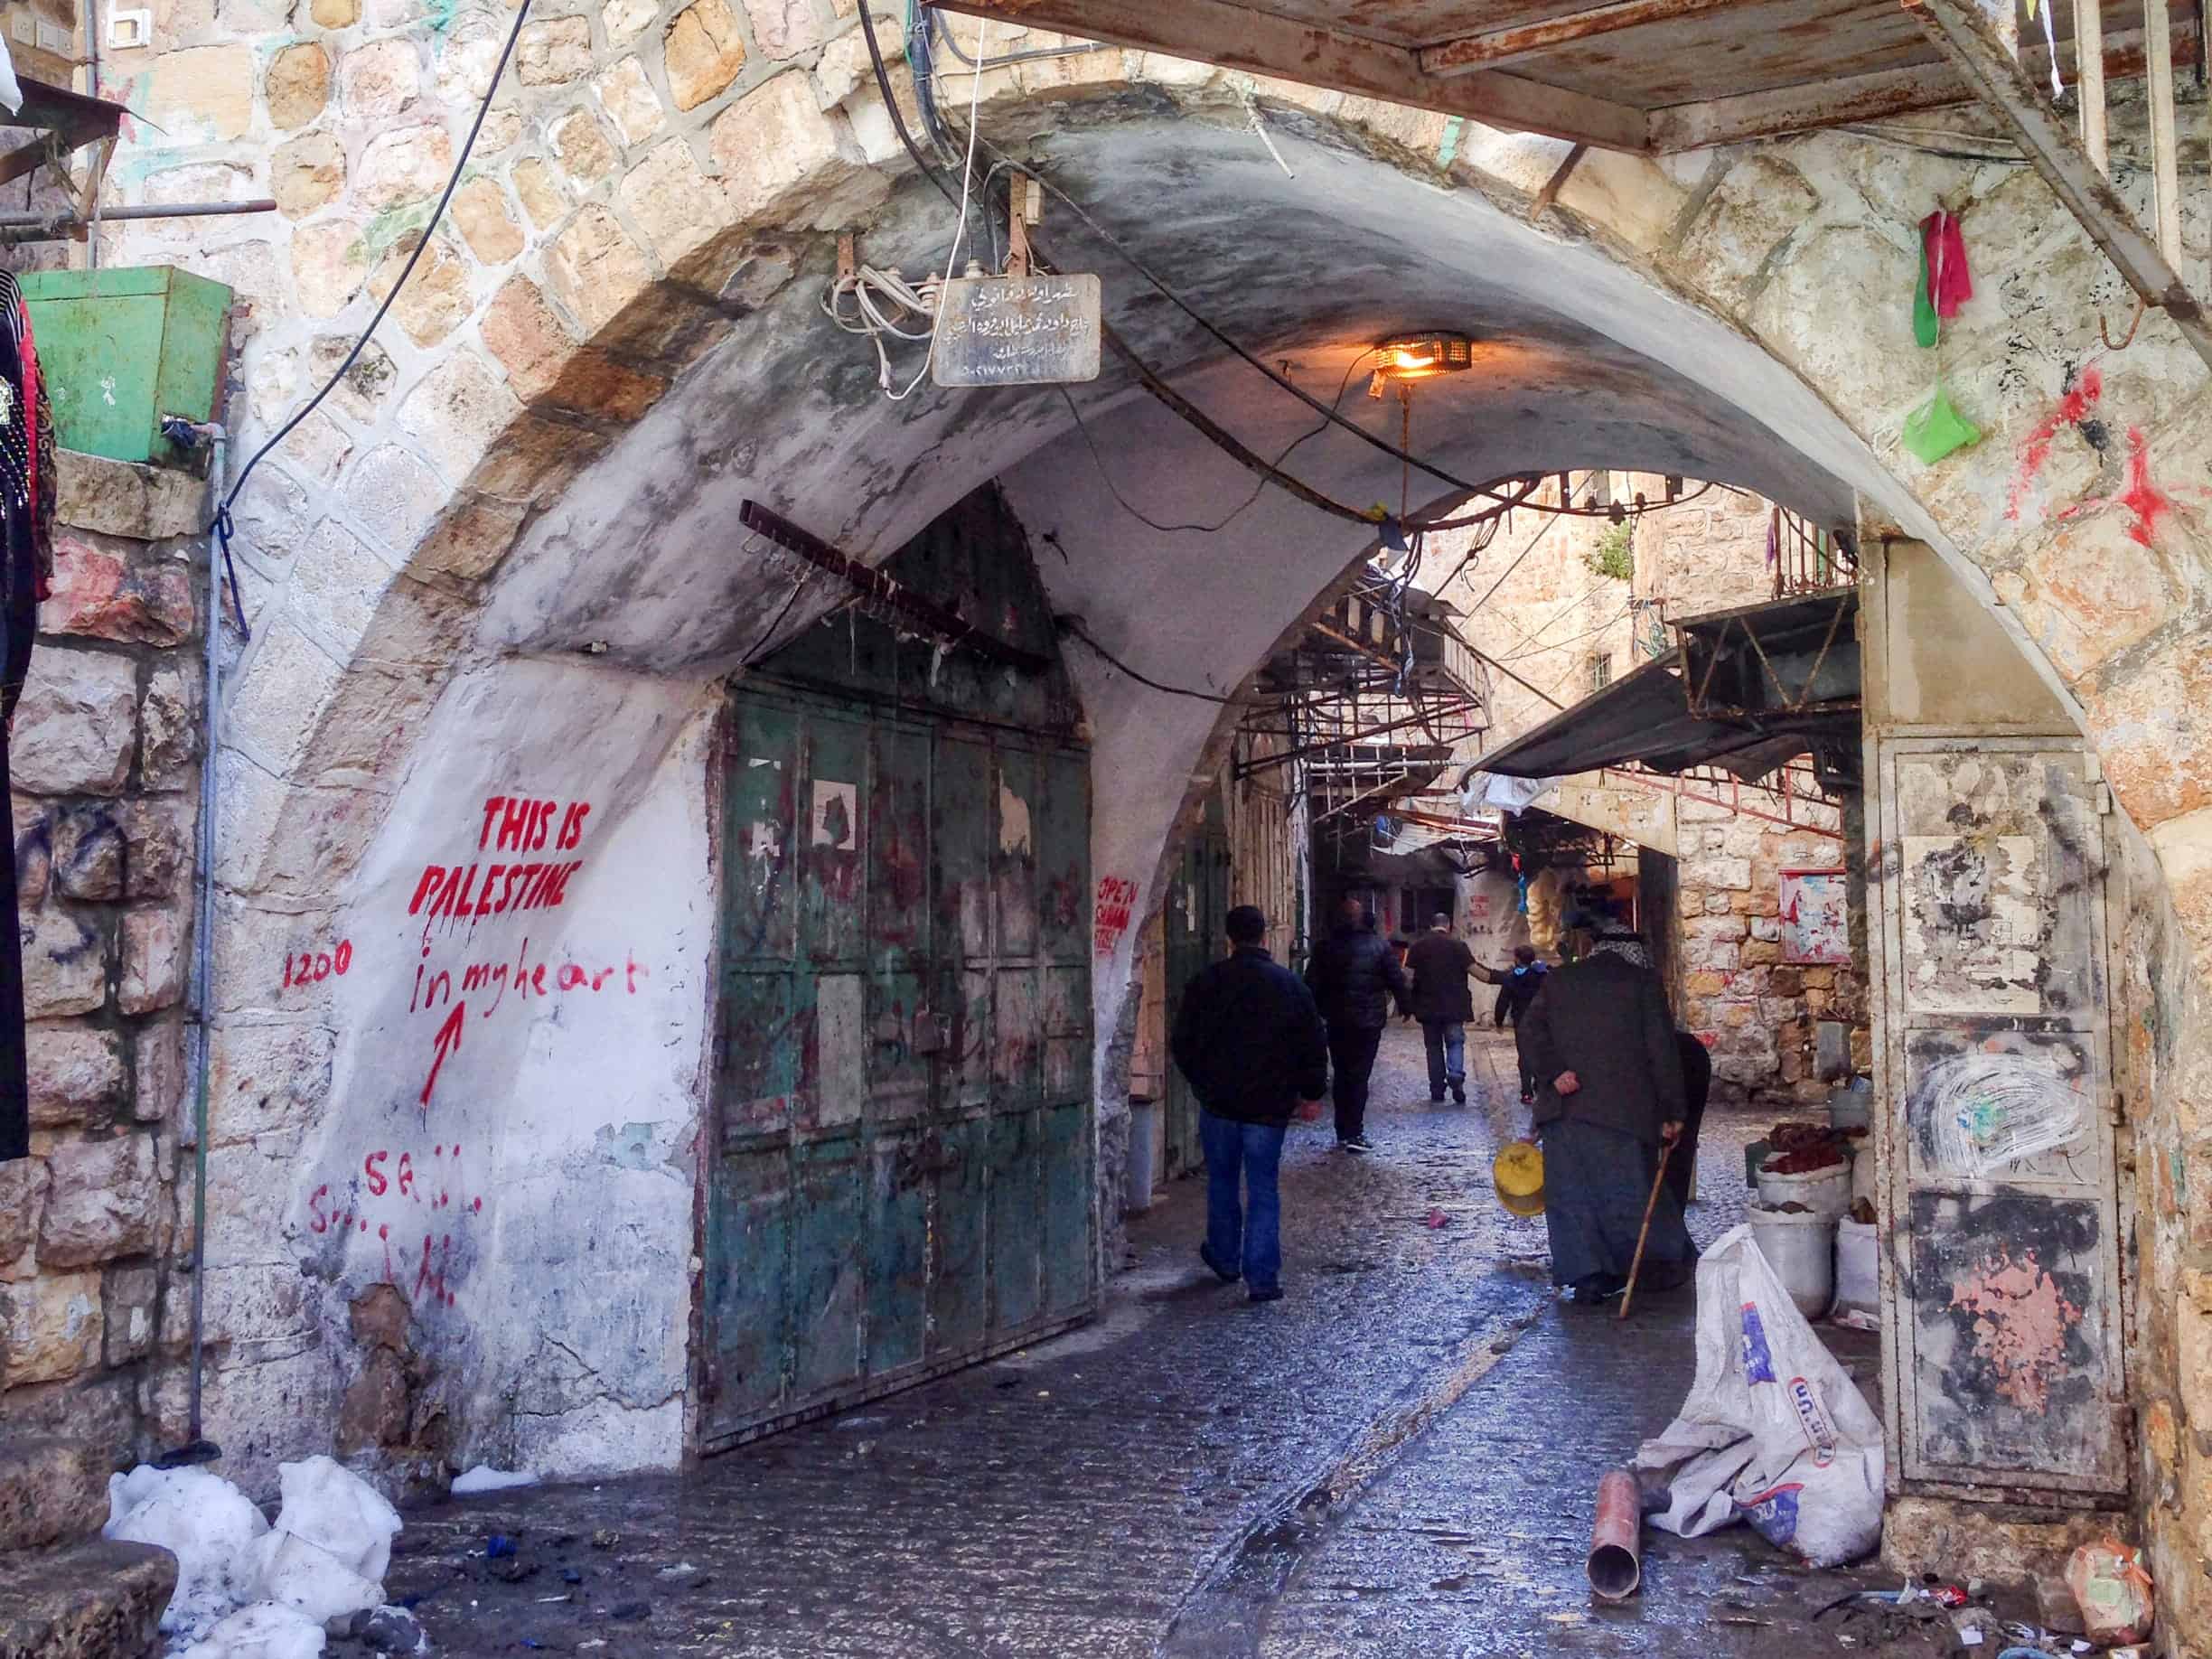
(448, 1039)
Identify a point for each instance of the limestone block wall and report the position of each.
(95, 1226)
(1756, 1011)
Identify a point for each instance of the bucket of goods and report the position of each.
(1799, 1244)
(1518, 1173)
(1808, 1165)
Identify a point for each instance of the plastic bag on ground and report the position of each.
(331, 1542)
(264, 1630)
(1774, 1432)
(484, 1477)
(2112, 1591)
(202, 1520)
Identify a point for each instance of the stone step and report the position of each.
(51, 1492)
(97, 1599)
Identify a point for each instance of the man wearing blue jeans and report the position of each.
(1252, 1043)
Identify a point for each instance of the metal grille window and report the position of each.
(1600, 670)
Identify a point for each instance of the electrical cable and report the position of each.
(959, 231)
(1394, 451)
(941, 35)
(1078, 631)
(222, 526)
(1099, 460)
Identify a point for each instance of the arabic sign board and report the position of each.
(1018, 331)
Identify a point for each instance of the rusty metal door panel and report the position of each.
(900, 939)
(960, 1280)
(745, 1289)
(2006, 1339)
(1017, 1240)
(829, 1257)
(1016, 1046)
(904, 1078)
(1068, 1186)
(902, 1183)
(962, 790)
(764, 1042)
(1066, 1027)
(1061, 819)
(1014, 883)
(2011, 1333)
(760, 817)
(832, 860)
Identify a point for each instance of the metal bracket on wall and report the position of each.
(897, 604)
(70, 120)
(1985, 54)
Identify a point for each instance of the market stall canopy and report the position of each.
(1642, 76)
(1747, 691)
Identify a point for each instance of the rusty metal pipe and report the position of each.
(1617, 1549)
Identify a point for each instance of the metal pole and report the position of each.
(49, 227)
(204, 940)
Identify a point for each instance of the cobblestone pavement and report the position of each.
(1396, 1457)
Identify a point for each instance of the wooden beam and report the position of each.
(1977, 48)
(1877, 96)
(1494, 47)
(2089, 83)
(1238, 37)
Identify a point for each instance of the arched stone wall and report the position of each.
(500, 562)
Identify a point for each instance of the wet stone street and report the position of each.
(1398, 1458)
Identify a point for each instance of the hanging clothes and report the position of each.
(27, 494)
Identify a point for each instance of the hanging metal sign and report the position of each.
(1018, 331)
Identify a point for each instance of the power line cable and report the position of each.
(1076, 628)
(222, 525)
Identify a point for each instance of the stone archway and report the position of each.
(507, 569)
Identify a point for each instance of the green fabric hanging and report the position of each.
(1926, 327)
(1937, 428)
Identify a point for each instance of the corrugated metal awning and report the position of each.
(1748, 690)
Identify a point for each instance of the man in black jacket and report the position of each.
(1356, 980)
(1444, 1004)
(1250, 1040)
(1602, 1044)
(1520, 987)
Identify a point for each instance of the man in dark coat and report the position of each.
(1356, 980)
(1442, 1002)
(1518, 990)
(1250, 1041)
(1602, 1044)
(1697, 1088)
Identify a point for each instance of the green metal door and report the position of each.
(1196, 914)
(903, 1181)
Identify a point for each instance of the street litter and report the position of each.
(484, 1477)
(2113, 1592)
(246, 1589)
(1774, 1432)
(1616, 1564)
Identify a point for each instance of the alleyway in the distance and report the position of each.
(1397, 1459)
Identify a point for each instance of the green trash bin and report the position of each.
(120, 348)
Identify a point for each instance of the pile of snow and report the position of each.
(246, 1591)
(484, 1477)
(263, 1630)
(207, 1523)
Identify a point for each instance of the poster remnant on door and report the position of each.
(1816, 918)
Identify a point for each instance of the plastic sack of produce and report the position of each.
(1774, 1432)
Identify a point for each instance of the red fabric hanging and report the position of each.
(1950, 282)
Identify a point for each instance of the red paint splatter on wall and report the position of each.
(2146, 503)
(2035, 448)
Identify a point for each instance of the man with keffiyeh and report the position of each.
(1601, 1044)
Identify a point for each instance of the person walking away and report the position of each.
(1697, 1088)
(1356, 980)
(1602, 1044)
(1440, 966)
(1521, 985)
(1252, 1043)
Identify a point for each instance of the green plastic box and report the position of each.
(121, 348)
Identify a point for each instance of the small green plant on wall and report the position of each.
(1614, 555)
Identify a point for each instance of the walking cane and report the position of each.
(1650, 1205)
